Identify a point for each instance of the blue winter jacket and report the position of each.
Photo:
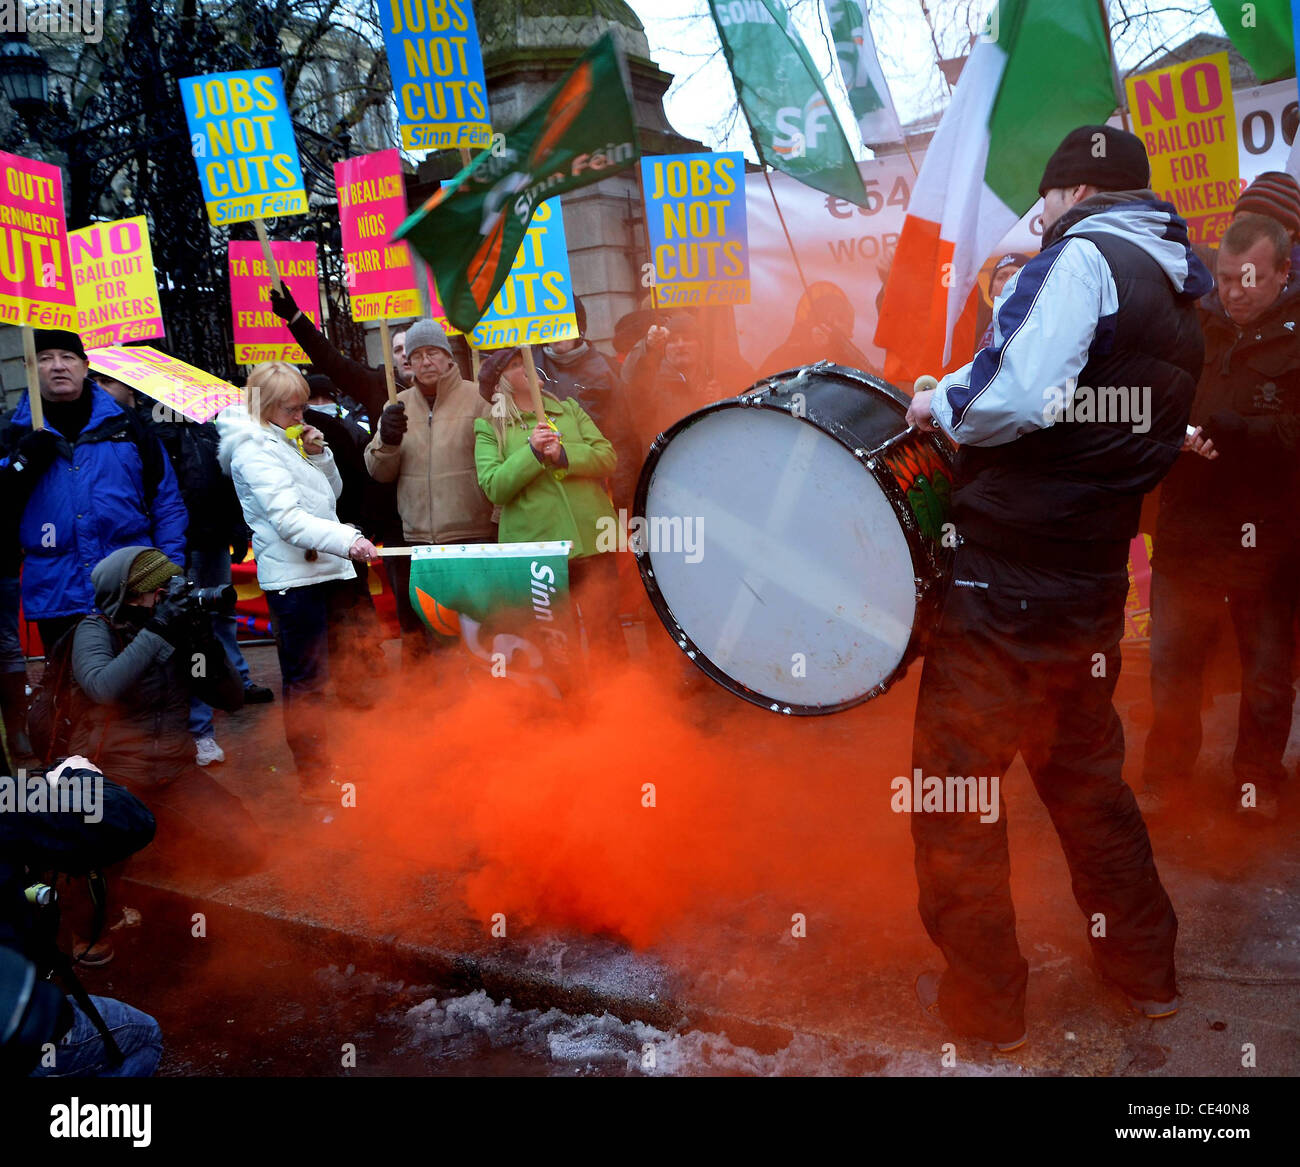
(87, 505)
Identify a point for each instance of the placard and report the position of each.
(179, 387)
(1185, 118)
(117, 292)
(242, 140)
(695, 216)
(437, 70)
(260, 335)
(535, 304)
(372, 204)
(36, 287)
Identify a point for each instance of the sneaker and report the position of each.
(927, 994)
(208, 751)
(1266, 809)
(257, 695)
(321, 791)
(1155, 1010)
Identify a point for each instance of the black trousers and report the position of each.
(53, 628)
(1182, 611)
(1007, 673)
(593, 584)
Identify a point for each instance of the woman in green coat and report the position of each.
(545, 478)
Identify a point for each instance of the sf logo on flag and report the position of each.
(801, 129)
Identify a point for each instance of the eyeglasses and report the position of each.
(422, 355)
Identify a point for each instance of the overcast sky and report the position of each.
(684, 42)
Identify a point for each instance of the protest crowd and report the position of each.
(338, 480)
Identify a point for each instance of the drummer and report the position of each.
(1026, 655)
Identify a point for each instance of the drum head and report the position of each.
(800, 593)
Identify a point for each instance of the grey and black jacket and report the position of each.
(138, 686)
(1080, 405)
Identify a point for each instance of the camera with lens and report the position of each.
(219, 601)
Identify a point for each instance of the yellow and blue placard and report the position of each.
(535, 304)
(437, 70)
(695, 215)
(242, 140)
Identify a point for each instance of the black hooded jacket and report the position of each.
(36, 841)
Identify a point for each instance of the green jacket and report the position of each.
(536, 501)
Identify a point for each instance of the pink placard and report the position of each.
(260, 335)
(36, 287)
(372, 205)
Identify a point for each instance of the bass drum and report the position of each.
(793, 539)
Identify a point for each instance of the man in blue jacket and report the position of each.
(1075, 411)
(92, 481)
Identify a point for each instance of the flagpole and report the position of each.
(1120, 98)
(793, 253)
(474, 358)
(908, 151)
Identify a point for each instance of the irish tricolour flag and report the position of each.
(1041, 69)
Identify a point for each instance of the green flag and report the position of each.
(507, 602)
(860, 67)
(470, 230)
(1262, 33)
(785, 103)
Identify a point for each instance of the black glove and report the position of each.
(36, 452)
(171, 620)
(392, 424)
(1226, 430)
(282, 303)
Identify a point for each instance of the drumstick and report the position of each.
(924, 383)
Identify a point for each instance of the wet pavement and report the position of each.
(361, 952)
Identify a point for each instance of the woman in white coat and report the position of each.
(287, 483)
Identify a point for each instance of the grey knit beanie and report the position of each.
(426, 332)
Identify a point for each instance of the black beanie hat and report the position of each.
(1118, 161)
(319, 385)
(48, 338)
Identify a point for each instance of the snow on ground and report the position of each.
(459, 1027)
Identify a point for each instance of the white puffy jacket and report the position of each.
(288, 502)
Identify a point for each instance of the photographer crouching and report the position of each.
(76, 822)
(138, 665)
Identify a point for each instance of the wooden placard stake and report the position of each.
(268, 255)
(33, 379)
(387, 342)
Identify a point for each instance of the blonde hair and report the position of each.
(504, 413)
(273, 384)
